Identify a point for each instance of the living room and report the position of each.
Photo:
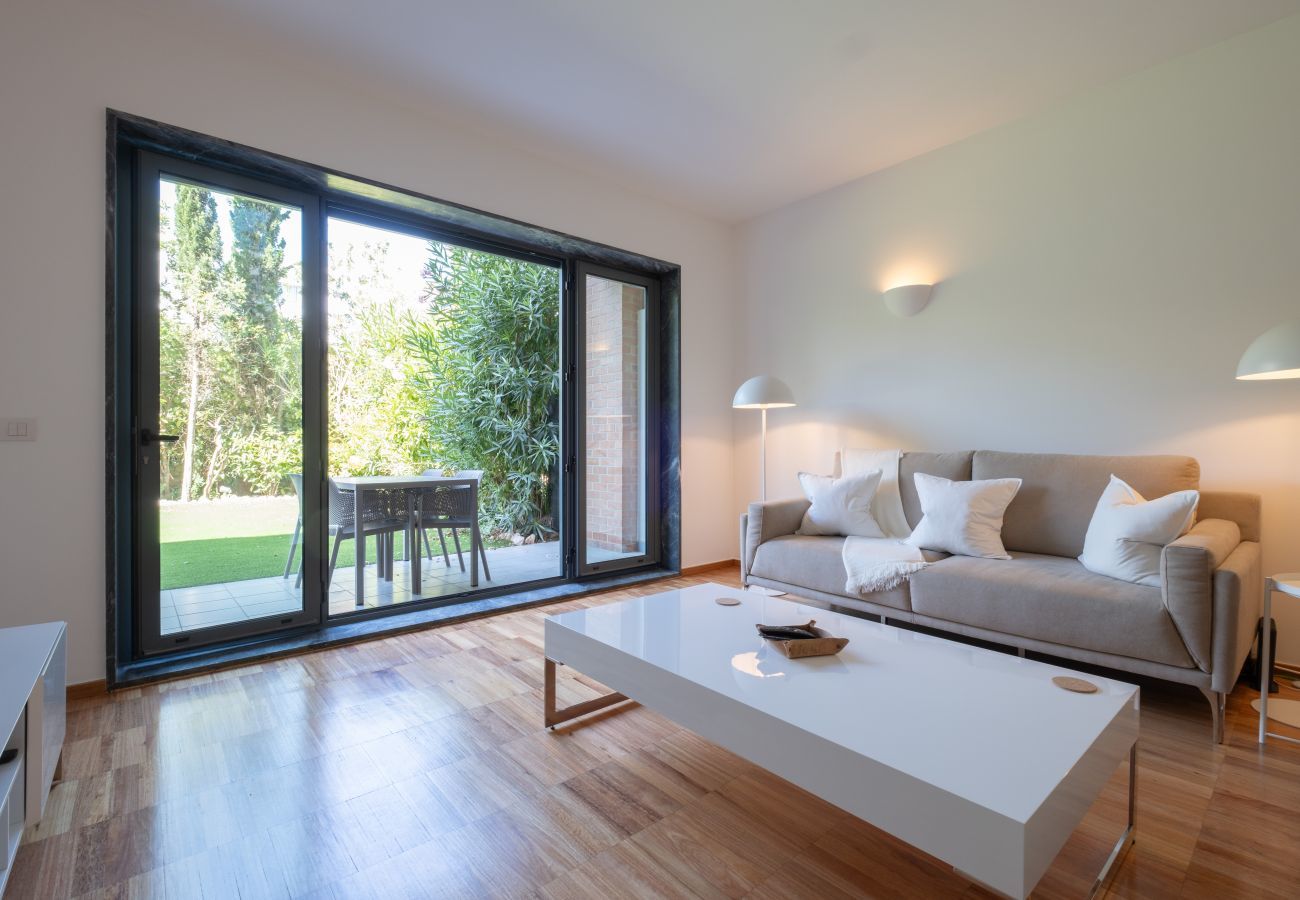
(342, 638)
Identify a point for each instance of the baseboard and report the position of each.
(86, 689)
(712, 567)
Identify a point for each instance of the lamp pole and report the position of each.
(761, 393)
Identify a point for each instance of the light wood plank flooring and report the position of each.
(416, 766)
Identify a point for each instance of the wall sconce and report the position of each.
(907, 300)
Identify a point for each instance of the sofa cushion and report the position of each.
(1128, 532)
(963, 517)
(1060, 491)
(840, 506)
(1053, 599)
(953, 466)
(817, 563)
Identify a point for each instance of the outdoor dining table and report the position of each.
(413, 485)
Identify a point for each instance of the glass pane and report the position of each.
(442, 360)
(615, 391)
(230, 391)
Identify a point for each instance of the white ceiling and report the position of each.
(735, 107)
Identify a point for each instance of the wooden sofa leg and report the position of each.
(1218, 709)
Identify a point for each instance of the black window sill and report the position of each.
(333, 634)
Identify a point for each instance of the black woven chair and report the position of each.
(385, 513)
(448, 508)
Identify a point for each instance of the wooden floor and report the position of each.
(416, 766)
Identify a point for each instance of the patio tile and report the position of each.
(202, 606)
(276, 596)
(199, 591)
(219, 617)
(262, 586)
(197, 603)
(203, 609)
(207, 605)
(274, 607)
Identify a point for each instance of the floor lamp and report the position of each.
(763, 392)
(1273, 355)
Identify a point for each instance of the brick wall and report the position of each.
(613, 420)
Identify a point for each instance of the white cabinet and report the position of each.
(33, 717)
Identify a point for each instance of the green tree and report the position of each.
(263, 374)
(257, 261)
(488, 375)
(192, 304)
(230, 358)
(375, 422)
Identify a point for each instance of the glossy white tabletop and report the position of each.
(986, 726)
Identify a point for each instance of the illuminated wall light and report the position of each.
(907, 300)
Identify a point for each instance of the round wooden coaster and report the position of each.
(1078, 685)
(727, 601)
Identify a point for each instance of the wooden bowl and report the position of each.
(822, 645)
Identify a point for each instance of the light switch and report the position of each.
(18, 430)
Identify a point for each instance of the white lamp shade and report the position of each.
(1274, 354)
(763, 392)
(907, 300)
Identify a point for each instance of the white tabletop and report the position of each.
(986, 726)
(1287, 583)
(399, 482)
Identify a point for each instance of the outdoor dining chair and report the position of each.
(448, 507)
(382, 518)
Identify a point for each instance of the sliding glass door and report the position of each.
(325, 407)
(443, 375)
(617, 404)
(221, 406)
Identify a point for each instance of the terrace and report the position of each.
(228, 560)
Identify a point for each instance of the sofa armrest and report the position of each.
(1238, 593)
(1187, 582)
(765, 521)
(744, 546)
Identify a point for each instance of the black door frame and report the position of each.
(128, 134)
(150, 169)
(649, 429)
(416, 226)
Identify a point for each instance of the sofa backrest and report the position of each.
(955, 466)
(1051, 512)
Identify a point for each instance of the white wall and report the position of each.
(1101, 268)
(61, 64)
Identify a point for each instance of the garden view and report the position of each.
(438, 356)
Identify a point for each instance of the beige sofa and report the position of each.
(1195, 628)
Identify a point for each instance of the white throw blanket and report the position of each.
(887, 504)
(879, 564)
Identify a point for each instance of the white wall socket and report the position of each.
(18, 430)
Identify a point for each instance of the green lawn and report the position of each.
(237, 539)
(211, 561)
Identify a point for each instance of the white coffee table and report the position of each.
(970, 755)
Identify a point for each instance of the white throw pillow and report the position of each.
(1128, 532)
(963, 517)
(840, 505)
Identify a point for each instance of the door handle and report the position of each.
(147, 437)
